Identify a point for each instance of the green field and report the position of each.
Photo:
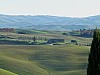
(5, 72)
(20, 55)
(43, 60)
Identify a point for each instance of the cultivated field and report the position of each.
(43, 60)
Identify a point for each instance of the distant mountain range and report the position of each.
(41, 22)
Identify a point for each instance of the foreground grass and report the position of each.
(44, 59)
(5, 72)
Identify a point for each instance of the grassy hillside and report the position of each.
(44, 59)
(5, 72)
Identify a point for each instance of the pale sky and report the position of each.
(68, 8)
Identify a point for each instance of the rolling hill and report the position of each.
(5, 72)
(41, 22)
(43, 60)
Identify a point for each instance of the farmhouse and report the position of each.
(50, 41)
(85, 32)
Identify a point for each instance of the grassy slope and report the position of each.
(5, 72)
(44, 60)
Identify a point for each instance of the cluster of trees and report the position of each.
(32, 38)
(94, 55)
(27, 38)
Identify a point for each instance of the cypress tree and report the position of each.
(94, 55)
(34, 38)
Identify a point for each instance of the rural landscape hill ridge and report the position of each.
(46, 22)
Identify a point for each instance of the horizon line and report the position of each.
(49, 15)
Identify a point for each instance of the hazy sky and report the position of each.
(72, 8)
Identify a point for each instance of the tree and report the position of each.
(74, 41)
(34, 38)
(94, 55)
